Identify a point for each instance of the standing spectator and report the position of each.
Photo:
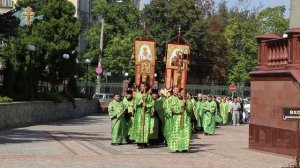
(247, 112)
(230, 102)
(235, 112)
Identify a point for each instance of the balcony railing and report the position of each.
(276, 53)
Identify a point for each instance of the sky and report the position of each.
(253, 3)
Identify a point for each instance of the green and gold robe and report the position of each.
(118, 123)
(130, 109)
(142, 117)
(179, 133)
(209, 124)
(200, 112)
(158, 107)
(224, 110)
(167, 104)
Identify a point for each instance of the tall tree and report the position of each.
(121, 27)
(55, 35)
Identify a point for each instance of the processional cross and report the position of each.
(28, 14)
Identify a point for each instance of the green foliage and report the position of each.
(53, 36)
(5, 99)
(272, 20)
(222, 40)
(121, 28)
(241, 30)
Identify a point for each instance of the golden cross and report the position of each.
(28, 15)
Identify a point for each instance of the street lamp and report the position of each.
(30, 48)
(126, 75)
(66, 57)
(87, 61)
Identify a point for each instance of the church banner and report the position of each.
(144, 62)
(177, 65)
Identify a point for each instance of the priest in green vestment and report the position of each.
(224, 110)
(143, 103)
(167, 106)
(200, 109)
(128, 102)
(155, 122)
(116, 111)
(209, 124)
(180, 131)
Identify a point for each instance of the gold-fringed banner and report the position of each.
(144, 62)
(177, 65)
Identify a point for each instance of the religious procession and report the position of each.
(148, 115)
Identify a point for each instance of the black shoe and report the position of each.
(185, 151)
(205, 133)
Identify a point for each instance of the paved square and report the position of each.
(85, 143)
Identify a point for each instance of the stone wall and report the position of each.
(22, 114)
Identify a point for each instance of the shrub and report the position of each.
(4, 99)
(51, 96)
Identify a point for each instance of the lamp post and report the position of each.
(87, 61)
(65, 57)
(98, 87)
(30, 48)
(126, 75)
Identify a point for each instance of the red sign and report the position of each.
(232, 88)
(99, 70)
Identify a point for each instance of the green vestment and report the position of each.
(224, 110)
(180, 130)
(209, 124)
(142, 117)
(118, 125)
(130, 107)
(159, 115)
(168, 117)
(199, 112)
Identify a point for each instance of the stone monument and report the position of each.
(275, 85)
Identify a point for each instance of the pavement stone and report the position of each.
(86, 142)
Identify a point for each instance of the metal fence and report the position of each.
(241, 91)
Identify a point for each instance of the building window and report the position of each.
(6, 3)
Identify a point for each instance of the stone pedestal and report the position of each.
(275, 85)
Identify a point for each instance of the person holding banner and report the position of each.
(144, 103)
(180, 132)
(116, 111)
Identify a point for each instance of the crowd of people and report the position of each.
(151, 117)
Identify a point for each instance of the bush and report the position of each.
(51, 96)
(4, 99)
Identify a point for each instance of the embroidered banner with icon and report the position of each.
(144, 62)
(177, 65)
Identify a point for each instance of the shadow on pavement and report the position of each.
(33, 136)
